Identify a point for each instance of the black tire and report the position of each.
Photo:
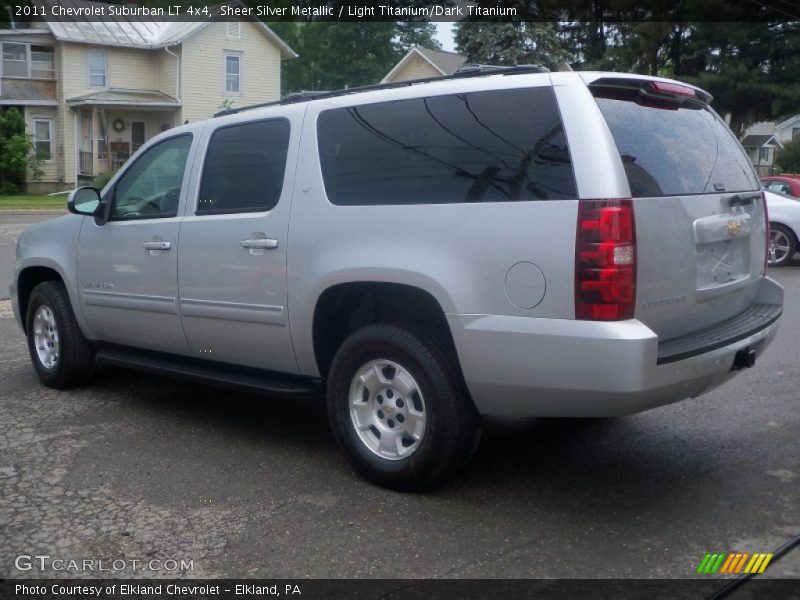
(75, 363)
(452, 425)
(791, 240)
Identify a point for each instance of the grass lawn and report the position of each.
(33, 201)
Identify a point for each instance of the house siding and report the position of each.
(203, 76)
(167, 69)
(416, 68)
(125, 68)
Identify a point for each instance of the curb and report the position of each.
(31, 211)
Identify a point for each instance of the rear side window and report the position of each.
(244, 168)
(672, 151)
(497, 146)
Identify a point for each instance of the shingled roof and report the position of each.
(756, 141)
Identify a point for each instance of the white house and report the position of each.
(788, 130)
(761, 149)
(93, 92)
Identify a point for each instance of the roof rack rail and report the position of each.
(472, 70)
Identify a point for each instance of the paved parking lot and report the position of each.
(140, 467)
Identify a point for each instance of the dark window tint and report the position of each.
(151, 187)
(244, 168)
(481, 147)
(669, 151)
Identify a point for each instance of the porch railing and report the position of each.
(86, 162)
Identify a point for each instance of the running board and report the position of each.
(217, 374)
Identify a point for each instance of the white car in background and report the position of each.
(784, 223)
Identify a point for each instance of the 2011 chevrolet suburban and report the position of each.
(514, 242)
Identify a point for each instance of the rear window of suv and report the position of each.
(673, 151)
(494, 146)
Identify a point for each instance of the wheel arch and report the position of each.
(344, 307)
(795, 229)
(27, 279)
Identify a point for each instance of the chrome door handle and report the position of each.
(157, 245)
(265, 244)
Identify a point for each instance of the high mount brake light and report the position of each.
(672, 89)
(605, 260)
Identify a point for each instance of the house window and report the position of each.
(234, 29)
(42, 62)
(765, 156)
(102, 151)
(28, 61)
(233, 74)
(97, 68)
(43, 138)
(15, 60)
(795, 133)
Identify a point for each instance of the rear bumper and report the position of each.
(519, 366)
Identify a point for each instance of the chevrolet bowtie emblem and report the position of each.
(733, 227)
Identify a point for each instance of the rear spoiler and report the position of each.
(648, 91)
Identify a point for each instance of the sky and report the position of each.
(445, 36)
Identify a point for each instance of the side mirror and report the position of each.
(84, 201)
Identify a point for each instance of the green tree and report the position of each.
(748, 59)
(511, 43)
(346, 54)
(788, 158)
(18, 160)
(751, 69)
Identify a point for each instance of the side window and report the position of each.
(495, 146)
(778, 186)
(151, 187)
(244, 168)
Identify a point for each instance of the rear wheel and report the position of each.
(398, 409)
(61, 356)
(782, 244)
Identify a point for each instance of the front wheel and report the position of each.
(782, 244)
(60, 354)
(398, 409)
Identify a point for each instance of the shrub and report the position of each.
(17, 157)
(788, 158)
(8, 188)
(101, 180)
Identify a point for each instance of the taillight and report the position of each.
(766, 219)
(605, 260)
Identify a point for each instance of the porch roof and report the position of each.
(115, 97)
(760, 141)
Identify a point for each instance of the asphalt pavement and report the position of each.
(138, 467)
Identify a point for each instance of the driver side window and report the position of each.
(151, 187)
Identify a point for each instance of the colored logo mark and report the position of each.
(733, 563)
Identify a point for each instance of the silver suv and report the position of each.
(519, 243)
